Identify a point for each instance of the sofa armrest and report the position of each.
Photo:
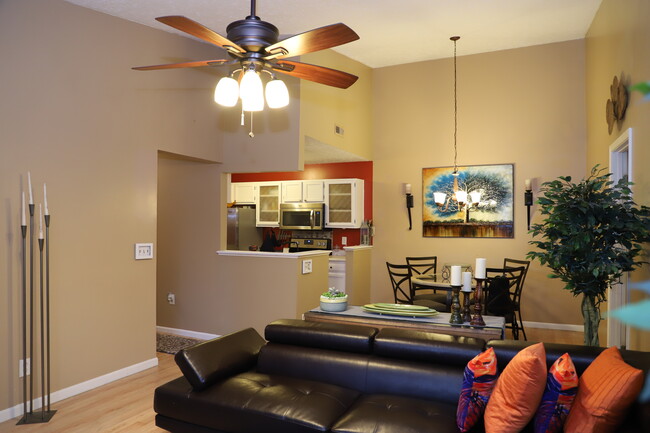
(204, 364)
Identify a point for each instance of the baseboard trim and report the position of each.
(557, 326)
(62, 394)
(186, 333)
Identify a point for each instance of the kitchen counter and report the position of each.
(279, 254)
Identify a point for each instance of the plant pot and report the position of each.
(334, 304)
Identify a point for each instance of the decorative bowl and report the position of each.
(334, 304)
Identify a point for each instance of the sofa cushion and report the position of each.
(425, 380)
(427, 346)
(478, 383)
(380, 413)
(561, 389)
(518, 392)
(253, 402)
(346, 338)
(607, 389)
(338, 368)
(208, 362)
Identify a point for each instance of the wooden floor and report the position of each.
(125, 406)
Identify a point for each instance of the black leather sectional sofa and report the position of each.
(318, 377)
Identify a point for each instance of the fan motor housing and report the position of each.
(252, 34)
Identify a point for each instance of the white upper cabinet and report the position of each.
(268, 205)
(344, 203)
(292, 191)
(244, 192)
(303, 191)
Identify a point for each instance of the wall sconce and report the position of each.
(409, 202)
(528, 200)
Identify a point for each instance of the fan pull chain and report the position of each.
(250, 134)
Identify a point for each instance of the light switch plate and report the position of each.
(144, 251)
(306, 266)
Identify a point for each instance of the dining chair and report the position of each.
(400, 279)
(421, 266)
(508, 262)
(503, 296)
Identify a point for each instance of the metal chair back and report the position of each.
(400, 280)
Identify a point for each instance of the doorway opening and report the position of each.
(620, 163)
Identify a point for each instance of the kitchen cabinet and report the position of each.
(303, 191)
(343, 203)
(244, 192)
(268, 205)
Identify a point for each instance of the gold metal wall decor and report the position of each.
(617, 104)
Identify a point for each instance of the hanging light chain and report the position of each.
(455, 38)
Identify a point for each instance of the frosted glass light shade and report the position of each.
(439, 197)
(277, 95)
(227, 92)
(475, 196)
(461, 196)
(251, 92)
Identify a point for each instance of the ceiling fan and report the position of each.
(253, 44)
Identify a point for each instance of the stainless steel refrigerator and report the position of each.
(242, 232)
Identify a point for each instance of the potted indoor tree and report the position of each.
(591, 234)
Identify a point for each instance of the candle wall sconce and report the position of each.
(409, 202)
(528, 200)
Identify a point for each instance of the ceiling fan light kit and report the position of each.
(253, 46)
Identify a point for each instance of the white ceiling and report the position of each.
(391, 31)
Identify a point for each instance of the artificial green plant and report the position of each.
(591, 234)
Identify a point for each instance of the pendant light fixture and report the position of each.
(460, 196)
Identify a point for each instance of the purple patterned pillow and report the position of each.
(561, 389)
(478, 382)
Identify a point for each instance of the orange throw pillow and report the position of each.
(607, 389)
(518, 392)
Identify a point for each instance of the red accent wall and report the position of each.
(342, 170)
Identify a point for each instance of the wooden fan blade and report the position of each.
(318, 74)
(182, 65)
(312, 40)
(200, 31)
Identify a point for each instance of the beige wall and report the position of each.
(524, 106)
(618, 43)
(322, 108)
(75, 115)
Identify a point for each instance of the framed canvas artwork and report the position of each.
(475, 202)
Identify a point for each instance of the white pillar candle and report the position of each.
(40, 221)
(467, 281)
(47, 210)
(479, 272)
(527, 184)
(29, 180)
(23, 220)
(455, 276)
(407, 188)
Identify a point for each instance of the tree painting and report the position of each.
(491, 216)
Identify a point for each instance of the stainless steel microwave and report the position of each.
(302, 216)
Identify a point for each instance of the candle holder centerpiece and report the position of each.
(479, 276)
(455, 318)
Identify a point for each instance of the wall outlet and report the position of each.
(344, 240)
(306, 266)
(21, 369)
(171, 298)
(143, 251)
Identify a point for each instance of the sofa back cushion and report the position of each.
(346, 369)
(427, 346)
(346, 338)
(206, 363)
(426, 380)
